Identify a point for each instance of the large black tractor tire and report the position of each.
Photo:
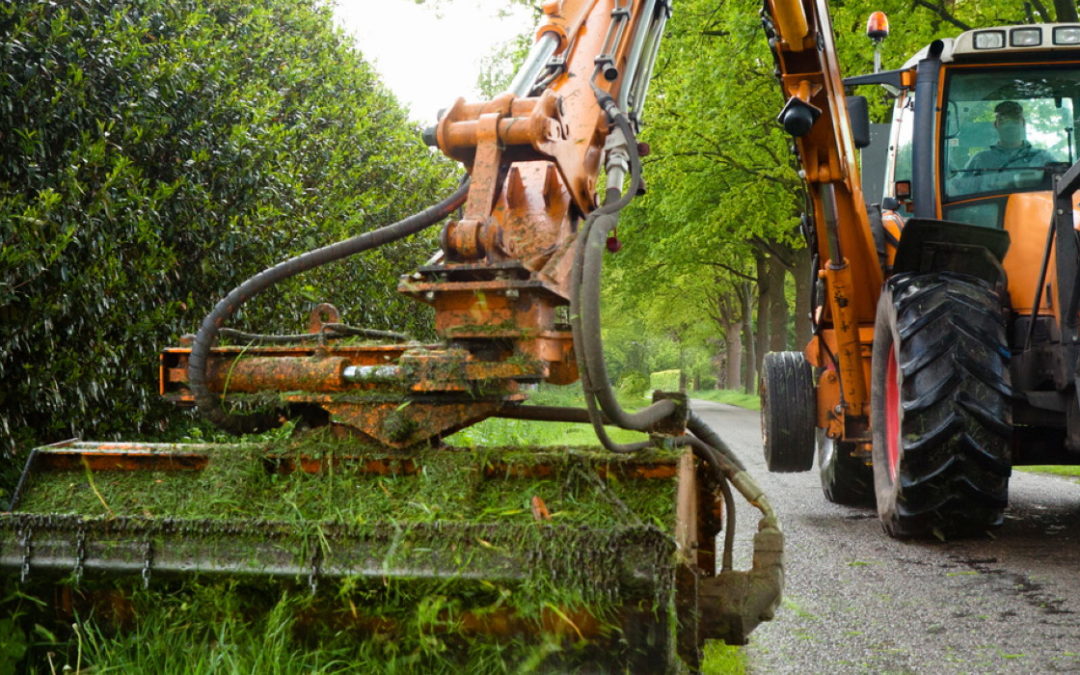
(940, 406)
(846, 477)
(788, 412)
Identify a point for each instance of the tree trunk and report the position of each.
(1066, 11)
(764, 300)
(804, 290)
(746, 299)
(778, 307)
(733, 342)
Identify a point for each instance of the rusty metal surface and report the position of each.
(401, 426)
(106, 460)
(322, 314)
(253, 374)
(111, 456)
(58, 544)
(397, 395)
(498, 301)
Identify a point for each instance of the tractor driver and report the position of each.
(990, 169)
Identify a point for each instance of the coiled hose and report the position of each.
(601, 403)
(227, 306)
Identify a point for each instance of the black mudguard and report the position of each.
(943, 246)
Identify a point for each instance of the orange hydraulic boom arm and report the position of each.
(800, 34)
(533, 155)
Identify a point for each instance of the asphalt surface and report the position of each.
(857, 601)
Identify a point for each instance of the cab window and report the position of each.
(1005, 129)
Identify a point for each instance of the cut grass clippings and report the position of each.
(723, 659)
(568, 603)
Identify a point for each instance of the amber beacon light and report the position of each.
(877, 29)
(877, 26)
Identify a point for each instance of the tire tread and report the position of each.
(956, 406)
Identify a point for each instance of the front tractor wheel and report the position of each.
(788, 412)
(846, 477)
(940, 406)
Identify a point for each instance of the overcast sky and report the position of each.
(430, 57)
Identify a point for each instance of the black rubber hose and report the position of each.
(585, 303)
(546, 413)
(596, 416)
(699, 428)
(591, 341)
(227, 306)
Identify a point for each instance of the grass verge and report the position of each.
(729, 396)
(1055, 470)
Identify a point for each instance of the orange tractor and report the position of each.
(516, 289)
(946, 328)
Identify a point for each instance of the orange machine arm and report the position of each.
(816, 114)
(533, 155)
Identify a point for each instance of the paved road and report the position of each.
(857, 601)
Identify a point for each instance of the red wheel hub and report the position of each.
(892, 416)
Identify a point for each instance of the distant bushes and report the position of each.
(153, 154)
(633, 384)
(664, 380)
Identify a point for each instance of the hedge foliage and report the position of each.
(155, 153)
(665, 380)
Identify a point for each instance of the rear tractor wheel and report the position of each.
(940, 406)
(788, 412)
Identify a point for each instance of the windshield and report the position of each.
(1004, 126)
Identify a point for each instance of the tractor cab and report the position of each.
(981, 125)
(999, 117)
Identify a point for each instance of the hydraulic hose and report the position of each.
(699, 428)
(227, 306)
(585, 300)
(601, 402)
(704, 442)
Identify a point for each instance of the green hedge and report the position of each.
(664, 380)
(153, 154)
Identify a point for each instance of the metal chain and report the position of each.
(23, 535)
(148, 559)
(313, 577)
(80, 553)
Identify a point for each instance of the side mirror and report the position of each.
(859, 117)
(903, 190)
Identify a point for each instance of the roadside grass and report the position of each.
(1066, 471)
(723, 659)
(502, 432)
(729, 396)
